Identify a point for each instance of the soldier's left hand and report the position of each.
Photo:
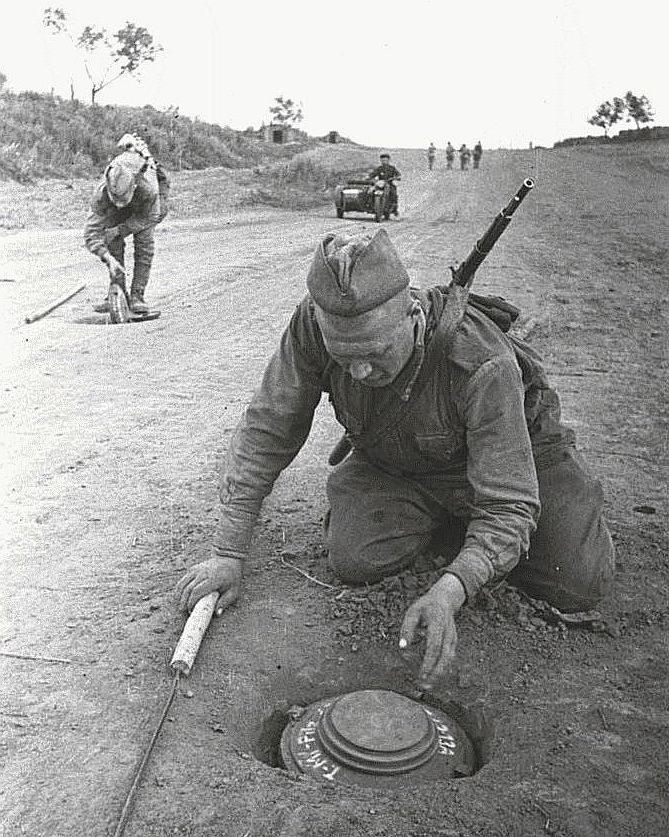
(435, 613)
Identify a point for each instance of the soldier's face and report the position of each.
(377, 357)
(120, 202)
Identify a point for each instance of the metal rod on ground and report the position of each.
(52, 306)
(139, 773)
(182, 662)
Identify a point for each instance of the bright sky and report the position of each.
(399, 73)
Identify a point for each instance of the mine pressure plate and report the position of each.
(376, 738)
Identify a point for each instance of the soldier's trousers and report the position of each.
(380, 523)
(144, 248)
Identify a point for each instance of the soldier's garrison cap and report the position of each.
(121, 177)
(351, 275)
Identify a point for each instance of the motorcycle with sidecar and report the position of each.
(371, 196)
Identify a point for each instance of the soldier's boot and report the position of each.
(137, 304)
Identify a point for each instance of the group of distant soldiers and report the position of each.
(463, 152)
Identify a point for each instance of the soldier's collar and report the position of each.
(404, 382)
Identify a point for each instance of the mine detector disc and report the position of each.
(376, 738)
(119, 310)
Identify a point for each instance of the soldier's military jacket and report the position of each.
(386, 171)
(473, 409)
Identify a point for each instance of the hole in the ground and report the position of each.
(377, 735)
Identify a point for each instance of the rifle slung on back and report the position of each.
(463, 274)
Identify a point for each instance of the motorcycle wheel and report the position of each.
(378, 208)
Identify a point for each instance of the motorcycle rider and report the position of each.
(386, 171)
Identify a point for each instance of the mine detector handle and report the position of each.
(192, 634)
(464, 272)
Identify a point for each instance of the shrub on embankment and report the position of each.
(307, 178)
(636, 135)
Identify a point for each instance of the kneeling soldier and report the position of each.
(454, 427)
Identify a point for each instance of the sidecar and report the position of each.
(363, 196)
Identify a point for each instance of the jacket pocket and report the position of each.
(438, 447)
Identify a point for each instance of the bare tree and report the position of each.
(122, 53)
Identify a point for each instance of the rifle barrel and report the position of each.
(462, 275)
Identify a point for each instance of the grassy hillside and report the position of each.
(44, 136)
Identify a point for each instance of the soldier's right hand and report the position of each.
(435, 613)
(222, 574)
(111, 234)
(116, 269)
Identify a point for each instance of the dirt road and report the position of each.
(110, 440)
